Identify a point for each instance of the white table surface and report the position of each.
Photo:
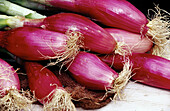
(138, 97)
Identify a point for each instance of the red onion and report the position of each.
(10, 96)
(130, 42)
(37, 44)
(47, 88)
(148, 69)
(88, 70)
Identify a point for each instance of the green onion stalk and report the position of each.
(10, 8)
(33, 5)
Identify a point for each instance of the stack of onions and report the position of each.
(121, 14)
(89, 32)
(126, 38)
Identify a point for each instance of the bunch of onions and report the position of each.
(63, 36)
(47, 88)
(11, 98)
(70, 23)
(122, 14)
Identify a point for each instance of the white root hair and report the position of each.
(70, 50)
(123, 79)
(58, 100)
(159, 30)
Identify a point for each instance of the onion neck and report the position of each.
(17, 21)
(34, 22)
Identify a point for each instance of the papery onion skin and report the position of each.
(88, 70)
(33, 43)
(135, 43)
(148, 69)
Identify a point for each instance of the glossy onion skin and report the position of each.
(8, 78)
(134, 42)
(115, 13)
(33, 43)
(148, 69)
(88, 70)
(95, 38)
(41, 80)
